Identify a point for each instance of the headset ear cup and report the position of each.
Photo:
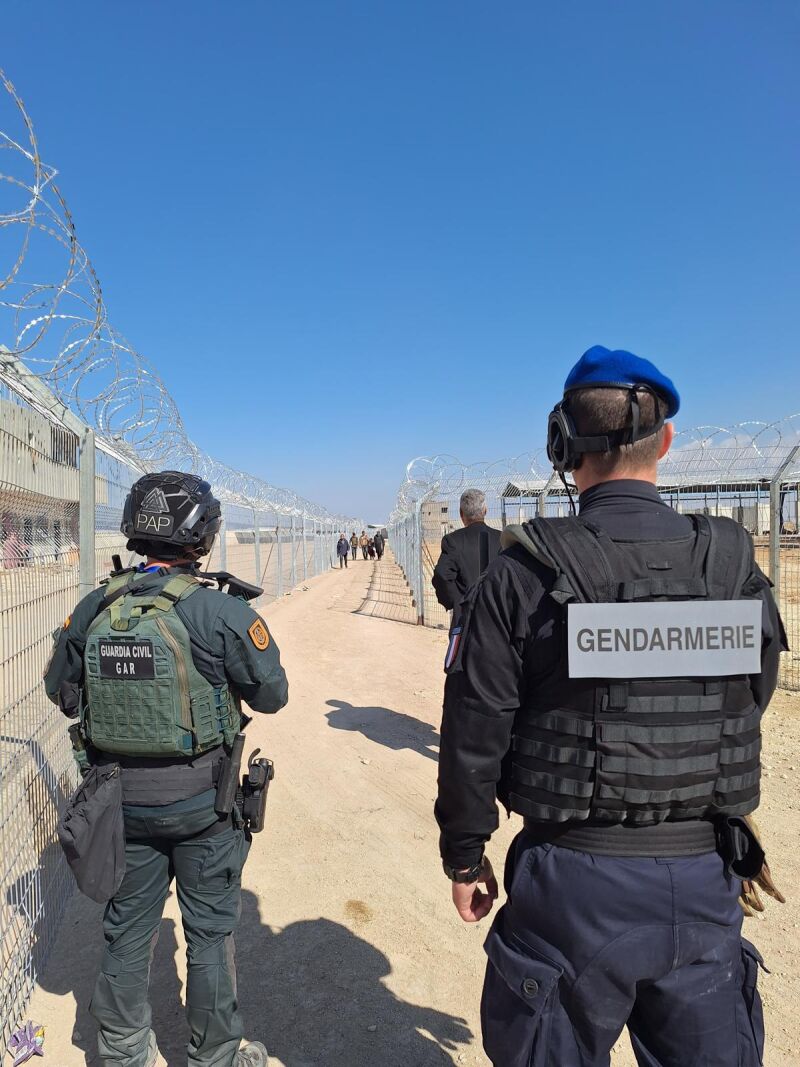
(559, 440)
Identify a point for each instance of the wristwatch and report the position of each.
(472, 874)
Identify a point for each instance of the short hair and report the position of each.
(600, 411)
(472, 504)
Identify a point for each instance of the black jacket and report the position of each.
(513, 640)
(466, 553)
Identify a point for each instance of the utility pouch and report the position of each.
(228, 782)
(77, 737)
(739, 847)
(69, 699)
(255, 786)
(91, 833)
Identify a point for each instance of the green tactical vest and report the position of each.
(144, 695)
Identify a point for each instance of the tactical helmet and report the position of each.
(171, 515)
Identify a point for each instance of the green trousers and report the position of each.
(177, 841)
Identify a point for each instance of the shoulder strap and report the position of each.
(730, 557)
(576, 549)
(128, 605)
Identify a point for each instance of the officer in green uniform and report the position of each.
(156, 664)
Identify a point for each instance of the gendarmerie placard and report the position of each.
(685, 639)
(129, 658)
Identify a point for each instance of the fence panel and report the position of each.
(749, 475)
(39, 585)
(786, 522)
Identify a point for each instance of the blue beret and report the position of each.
(601, 366)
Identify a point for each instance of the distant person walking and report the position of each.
(354, 545)
(465, 553)
(364, 542)
(379, 544)
(342, 550)
(371, 548)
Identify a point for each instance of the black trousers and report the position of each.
(588, 944)
(163, 844)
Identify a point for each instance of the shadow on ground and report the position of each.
(311, 992)
(388, 595)
(73, 969)
(392, 729)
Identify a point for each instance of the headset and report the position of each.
(566, 448)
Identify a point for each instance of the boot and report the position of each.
(253, 1054)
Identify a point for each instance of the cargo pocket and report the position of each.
(749, 1013)
(517, 1002)
(221, 866)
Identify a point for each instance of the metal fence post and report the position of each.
(294, 558)
(257, 543)
(223, 544)
(87, 579)
(775, 522)
(279, 546)
(420, 569)
(305, 561)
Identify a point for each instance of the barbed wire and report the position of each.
(60, 329)
(746, 453)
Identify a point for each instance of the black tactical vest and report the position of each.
(640, 751)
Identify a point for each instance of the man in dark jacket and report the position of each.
(465, 553)
(607, 684)
(379, 544)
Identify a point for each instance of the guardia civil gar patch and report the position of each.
(126, 658)
(259, 635)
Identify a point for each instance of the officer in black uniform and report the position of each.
(156, 664)
(608, 685)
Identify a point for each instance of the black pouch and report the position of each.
(739, 847)
(91, 833)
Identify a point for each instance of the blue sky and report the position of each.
(351, 233)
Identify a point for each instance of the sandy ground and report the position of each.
(349, 951)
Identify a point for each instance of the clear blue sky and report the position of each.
(352, 233)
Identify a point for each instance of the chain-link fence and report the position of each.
(39, 582)
(82, 415)
(749, 473)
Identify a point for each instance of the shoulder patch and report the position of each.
(259, 635)
(67, 621)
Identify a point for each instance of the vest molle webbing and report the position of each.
(145, 697)
(642, 751)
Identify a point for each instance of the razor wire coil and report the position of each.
(60, 329)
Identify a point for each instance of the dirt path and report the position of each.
(349, 951)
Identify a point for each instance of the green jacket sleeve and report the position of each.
(251, 657)
(69, 641)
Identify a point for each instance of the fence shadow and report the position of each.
(388, 596)
(75, 964)
(36, 881)
(392, 729)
